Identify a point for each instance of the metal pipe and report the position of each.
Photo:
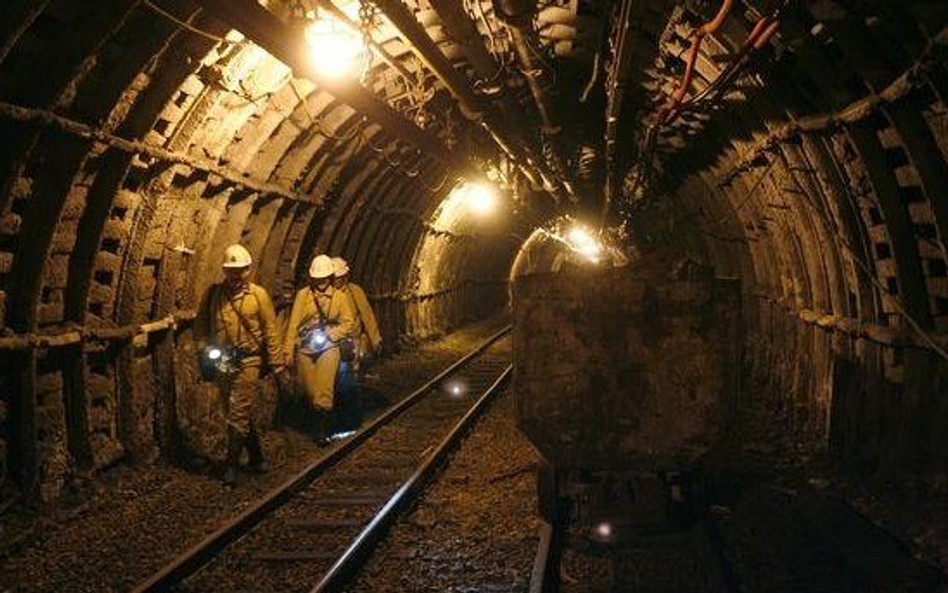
(460, 27)
(615, 94)
(429, 53)
(465, 33)
(517, 16)
(426, 49)
(42, 118)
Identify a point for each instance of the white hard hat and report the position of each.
(236, 256)
(321, 267)
(339, 267)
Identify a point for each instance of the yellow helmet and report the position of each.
(237, 256)
(339, 267)
(321, 267)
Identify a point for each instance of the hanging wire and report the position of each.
(396, 166)
(436, 188)
(186, 25)
(367, 16)
(705, 100)
(749, 196)
(399, 168)
(318, 122)
(477, 12)
(868, 270)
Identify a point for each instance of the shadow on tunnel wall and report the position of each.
(809, 390)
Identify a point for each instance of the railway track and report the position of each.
(315, 531)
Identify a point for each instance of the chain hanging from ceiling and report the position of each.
(368, 14)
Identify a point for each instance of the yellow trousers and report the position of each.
(239, 391)
(318, 377)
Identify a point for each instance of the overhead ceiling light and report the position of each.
(582, 241)
(481, 198)
(335, 50)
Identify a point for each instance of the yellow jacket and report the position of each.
(218, 321)
(366, 316)
(340, 315)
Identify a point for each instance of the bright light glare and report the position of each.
(604, 530)
(584, 243)
(214, 353)
(481, 197)
(342, 435)
(335, 50)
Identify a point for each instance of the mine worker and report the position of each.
(320, 321)
(237, 332)
(367, 328)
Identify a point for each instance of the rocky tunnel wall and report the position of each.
(822, 185)
(136, 147)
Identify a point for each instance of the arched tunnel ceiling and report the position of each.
(141, 137)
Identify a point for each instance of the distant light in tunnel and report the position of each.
(480, 197)
(335, 50)
(582, 241)
(604, 530)
(483, 199)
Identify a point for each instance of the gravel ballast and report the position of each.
(476, 529)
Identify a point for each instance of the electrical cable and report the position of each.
(594, 75)
(749, 196)
(676, 104)
(186, 25)
(869, 271)
(317, 122)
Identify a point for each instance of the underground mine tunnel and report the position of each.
(661, 291)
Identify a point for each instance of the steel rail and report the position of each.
(198, 555)
(545, 573)
(356, 555)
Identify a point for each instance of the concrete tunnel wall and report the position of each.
(136, 152)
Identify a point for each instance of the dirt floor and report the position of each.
(115, 530)
(912, 508)
(796, 520)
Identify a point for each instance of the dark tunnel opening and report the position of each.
(797, 149)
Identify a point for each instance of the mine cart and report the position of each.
(624, 378)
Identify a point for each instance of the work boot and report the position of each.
(235, 444)
(257, 464)
(321, 428)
